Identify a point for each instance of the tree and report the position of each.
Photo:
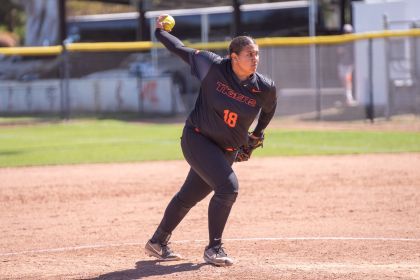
(12, 19)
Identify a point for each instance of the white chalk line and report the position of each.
(346, 267)
(109, 245)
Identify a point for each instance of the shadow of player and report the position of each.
(149, 268)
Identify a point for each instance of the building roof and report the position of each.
(179, 4)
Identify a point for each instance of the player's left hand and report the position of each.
(244, 152)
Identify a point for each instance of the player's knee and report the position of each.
(225, 199)
(227, 193)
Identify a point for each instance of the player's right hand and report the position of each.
(159, 23)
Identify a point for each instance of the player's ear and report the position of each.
(234, 56)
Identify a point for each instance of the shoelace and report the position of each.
(220, 250)
(166, 249)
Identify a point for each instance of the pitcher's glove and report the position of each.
(245, 151)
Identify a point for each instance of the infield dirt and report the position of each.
(335, 217)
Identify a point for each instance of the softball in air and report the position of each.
(168, 22)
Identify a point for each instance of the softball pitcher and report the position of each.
(215, 135)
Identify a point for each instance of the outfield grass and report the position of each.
(105, 141)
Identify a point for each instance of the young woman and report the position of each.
(231, 96)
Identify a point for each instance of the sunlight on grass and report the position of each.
(106, 141)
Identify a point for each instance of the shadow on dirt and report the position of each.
(149, 268)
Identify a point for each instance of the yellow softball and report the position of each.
(168, 22)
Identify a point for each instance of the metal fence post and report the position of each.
(318, 83)
(388, 105)
(416, 67)
(370, 110)
(64, 100)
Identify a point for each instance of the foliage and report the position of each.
(12, 18)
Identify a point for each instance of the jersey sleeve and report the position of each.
(267, 111)
(201, 62)
(173, 44)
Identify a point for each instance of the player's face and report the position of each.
(248, 58)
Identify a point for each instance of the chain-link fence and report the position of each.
(345, 77)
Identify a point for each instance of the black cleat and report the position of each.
(217, 256)
(160, 251)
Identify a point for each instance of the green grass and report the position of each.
(296, 143)
(108, 141)
(87, 142)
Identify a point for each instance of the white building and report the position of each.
(388, 72)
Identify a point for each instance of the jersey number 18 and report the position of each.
(230, 118)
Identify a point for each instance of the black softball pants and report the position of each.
(210, 171)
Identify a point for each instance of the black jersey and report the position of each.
(226, 107)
